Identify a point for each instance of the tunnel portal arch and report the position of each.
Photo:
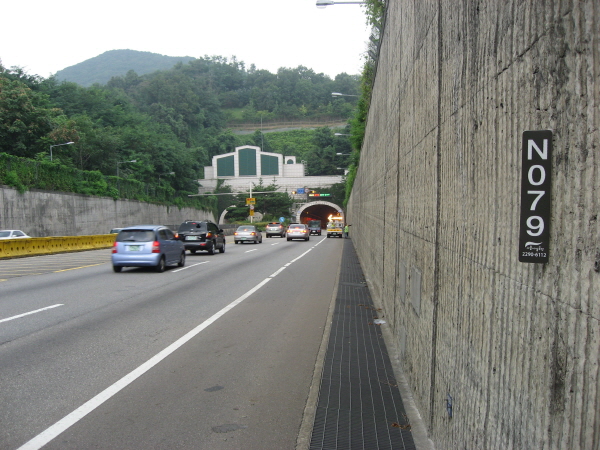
(318, 210)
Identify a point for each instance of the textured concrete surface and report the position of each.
(42, 213)
(512, 347)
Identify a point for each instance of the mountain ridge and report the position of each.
(101, 68)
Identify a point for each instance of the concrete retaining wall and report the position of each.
(43, 213)
(514, 347)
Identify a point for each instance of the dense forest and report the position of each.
(154, 133)
(170, 121)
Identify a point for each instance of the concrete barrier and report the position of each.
(16, 248)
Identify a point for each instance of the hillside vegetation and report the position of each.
(162, 128)
(102, 68)
(158, 130)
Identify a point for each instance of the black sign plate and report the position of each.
(534, 236)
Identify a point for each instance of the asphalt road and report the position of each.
(219, 354)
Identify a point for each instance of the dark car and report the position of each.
(275, 229)
(147, 246)
(314, 227)
(201, 235)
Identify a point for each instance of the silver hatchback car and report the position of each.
(247, 233)
(147, 246)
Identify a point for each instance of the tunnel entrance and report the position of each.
(318, 210)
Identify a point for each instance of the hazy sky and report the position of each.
(45, 36)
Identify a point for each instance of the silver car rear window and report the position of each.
(135, 236)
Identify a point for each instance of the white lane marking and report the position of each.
(66, 422)
(188, 267)
(71, 419)
(31, 312)
(303, 254)
(253, 250)
(277, 272)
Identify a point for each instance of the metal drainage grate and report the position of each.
(359, 404)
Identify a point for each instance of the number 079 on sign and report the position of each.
(536, 171)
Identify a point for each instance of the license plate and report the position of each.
(134, 248)
(191, 238)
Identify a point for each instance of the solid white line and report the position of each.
(66, 422)
(188, 267)
(31, 312)
(71, 419)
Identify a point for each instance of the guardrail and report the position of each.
(15, 248)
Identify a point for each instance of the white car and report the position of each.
(297, 231)
(12, 234)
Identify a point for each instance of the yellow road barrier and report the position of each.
(15, 248)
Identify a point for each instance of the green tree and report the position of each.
(26, 118)
(272, 205)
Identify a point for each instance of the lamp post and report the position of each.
(118, 179)
(166, 173)
(58, 145)
(339, 94)
(324, 3)
(123, 162)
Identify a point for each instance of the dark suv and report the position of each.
(275, 229)
(203, 235)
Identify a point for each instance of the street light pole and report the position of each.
(252, 206)
(324, 3)
(338, 94)
(166, 173)
(118, 179)
(122, 162)
(58, 145)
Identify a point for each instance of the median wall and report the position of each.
(498, 354)
(43, 213)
